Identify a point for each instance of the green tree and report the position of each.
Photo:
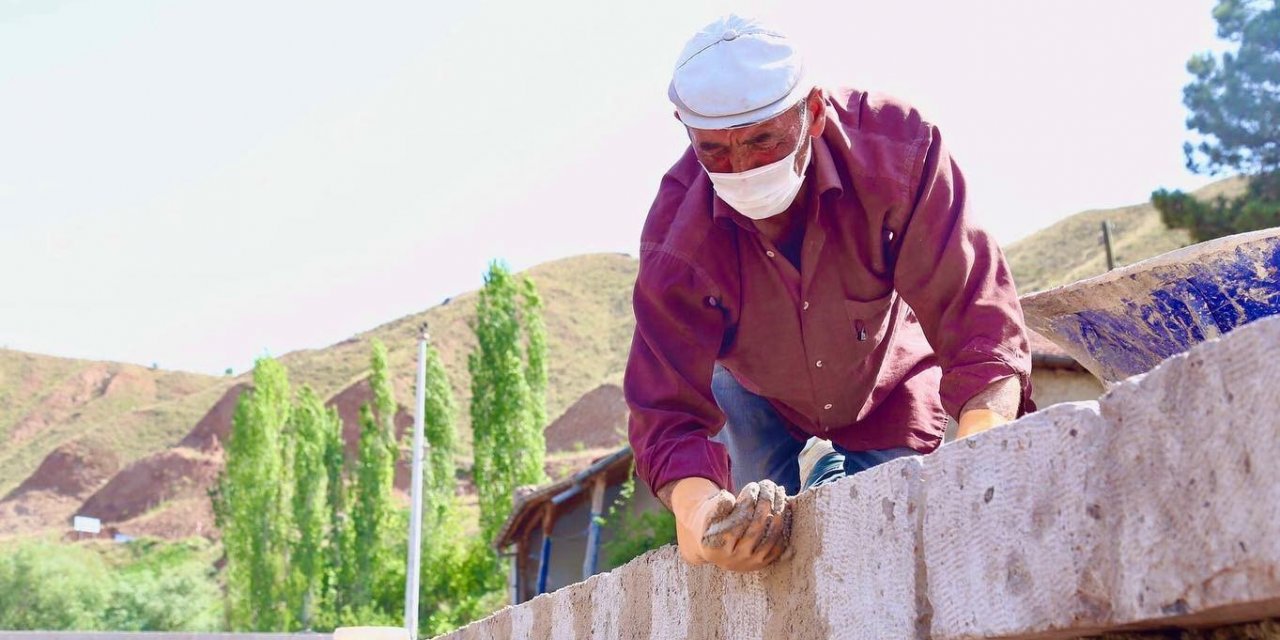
(312, 425)
(1235, 108)
(339, 573)
(440, 477)
(252, 504)
(503, 412)
(375, 472)
(443, 548)
(533, 440)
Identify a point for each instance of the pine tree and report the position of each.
(375, 471)
(311, 426)
(1235, 107)
(251, 503)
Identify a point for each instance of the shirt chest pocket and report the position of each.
(868, 319)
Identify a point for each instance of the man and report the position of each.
(809, 268)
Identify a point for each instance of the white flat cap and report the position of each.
(736, 71)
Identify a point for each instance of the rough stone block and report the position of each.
(861, 536)
(1013, 527)
(1158, 506)
(1194, 484)
(852, 572)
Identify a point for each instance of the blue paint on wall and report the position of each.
(1195, 301)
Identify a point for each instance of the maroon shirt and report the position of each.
(903, 309)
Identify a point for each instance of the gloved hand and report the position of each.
(742, 534)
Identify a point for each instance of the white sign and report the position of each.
(85, 524)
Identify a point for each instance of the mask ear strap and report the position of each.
(804, 135)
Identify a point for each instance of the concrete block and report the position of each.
(1013, 528)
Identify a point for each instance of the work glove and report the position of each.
(745, 533)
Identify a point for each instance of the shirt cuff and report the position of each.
(977, 369)
(688, 457)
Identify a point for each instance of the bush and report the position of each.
(43, 586)
(145, 586)
(636, 533)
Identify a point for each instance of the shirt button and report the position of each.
(769, 253)
(818, 364)
(805, 306)
(827, 406)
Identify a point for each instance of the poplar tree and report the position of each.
(533, 439)
(504, 415)
(251, 503)
(443, 544)
(375, 472)
(311, 426)
(339, 573)
(440, 471)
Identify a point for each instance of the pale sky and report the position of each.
(199, 183)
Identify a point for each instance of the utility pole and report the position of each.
(1106, 239)
(415, 488)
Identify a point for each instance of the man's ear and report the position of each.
(817, 110)
(676, 114)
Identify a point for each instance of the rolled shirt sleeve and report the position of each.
(679, 328)
(954, 276)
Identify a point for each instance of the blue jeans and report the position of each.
(760, 447)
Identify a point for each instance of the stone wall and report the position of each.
(1158, 506)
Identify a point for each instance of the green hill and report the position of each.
(1072, 249)
(587, 311)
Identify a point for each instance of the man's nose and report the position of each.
(741, 160)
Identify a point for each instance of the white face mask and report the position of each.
(765, 191)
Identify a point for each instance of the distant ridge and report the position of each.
(1071, 249)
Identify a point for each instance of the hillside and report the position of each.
(122, 410)
(588, 316)
(1072, 249)
(140, 427)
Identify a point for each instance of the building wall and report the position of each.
(1051, 386)
(569, 540)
